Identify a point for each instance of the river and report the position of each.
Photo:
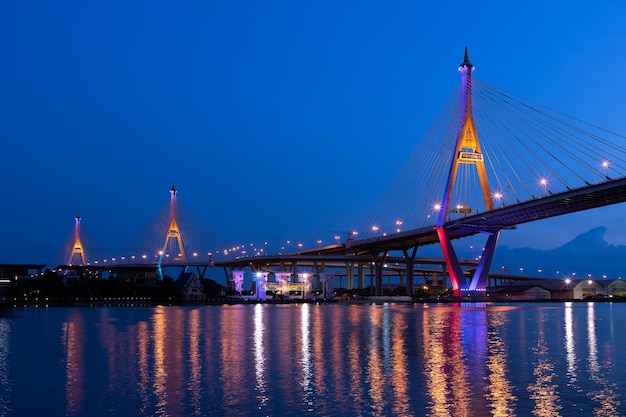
(475, 359)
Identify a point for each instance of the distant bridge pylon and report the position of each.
(173, 236)
(78, 252)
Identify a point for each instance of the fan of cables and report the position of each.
(528, 150)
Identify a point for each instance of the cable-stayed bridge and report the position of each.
(490, 161)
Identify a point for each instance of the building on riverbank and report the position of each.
(560, 289)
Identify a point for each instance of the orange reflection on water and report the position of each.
(499, 392)
(375, 376)
(356, 382)
(543, 391)
(444, 368)
(143, 365)
(319, 350)
(160, 371)
(400, 369)
(194, 382)
(72, 339)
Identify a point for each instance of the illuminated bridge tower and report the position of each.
(78, 252)
(467, 151)
(172, 235)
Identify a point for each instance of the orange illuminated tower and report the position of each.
(77, 248)
(466, 151)
(173, 232)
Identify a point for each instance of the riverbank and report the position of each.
(16, 302)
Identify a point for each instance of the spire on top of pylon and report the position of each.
(466, 61)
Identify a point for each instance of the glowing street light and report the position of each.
(543, 182)
(605, 165)
(498, 197)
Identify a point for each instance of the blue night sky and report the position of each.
(277, 120)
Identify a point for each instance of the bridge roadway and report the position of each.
(376, 249)
(367, 251)
(507, 217)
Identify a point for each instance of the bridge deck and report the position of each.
(570, 201)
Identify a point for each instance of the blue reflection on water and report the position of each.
(556, 359)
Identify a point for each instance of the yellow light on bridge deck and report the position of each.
(461, 209)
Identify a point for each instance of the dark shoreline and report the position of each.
(12, 302)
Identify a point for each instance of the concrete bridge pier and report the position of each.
(349, 275)
(328, 283)
(237, 281)
(283, 279)
(261, 285)
(361, 276)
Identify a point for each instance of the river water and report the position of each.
(553, 359)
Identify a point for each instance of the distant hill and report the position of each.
(588, 253)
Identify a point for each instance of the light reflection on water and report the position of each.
(559, 359)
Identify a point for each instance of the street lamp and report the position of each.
(544, 184)
(605, 165)
(498, 196)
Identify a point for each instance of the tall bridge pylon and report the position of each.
(466, 151)
(172, 235)
(78, 252)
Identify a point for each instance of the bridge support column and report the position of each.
(306, 281)
(261, 285)
(328, 283)
(410, 271)
(349, 275)
(481, 275)
(379, 263)
(457, 278)
(361, 272)
(378, 287)
(238, 281)
(283, 278)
